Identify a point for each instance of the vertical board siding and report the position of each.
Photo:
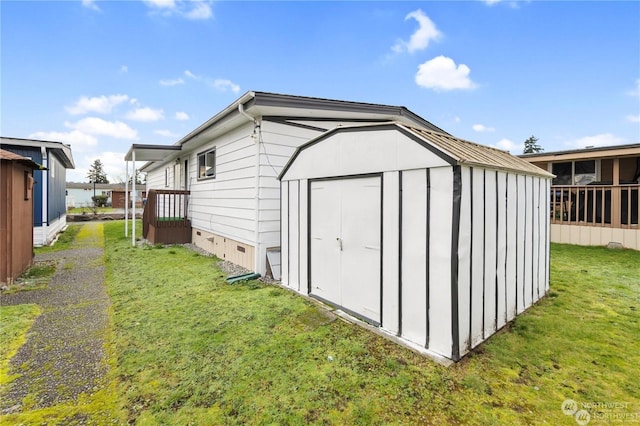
(285, 236)
(536, 240)
(501, 252)
(294, 235)
(414, 250)
(303, 222)
(512, 241)
(528, 240)
(465, 245)
(477, 262)
(490, 252)
(520, 242)
(439, 260)
(390, 265)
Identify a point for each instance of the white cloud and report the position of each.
(224, 85)
(482, 128)
(200, 10)
(101, 104)
(166, 133)
(508, 145)
(603, 139)
(124, 69)
(420, 39)
(171, 82)
(491, 2)
(633, 118)
(180, 115)
(145, 114)
(90, 4)
(78, 140)
(161, 4)
(98, 126)
(442, 73)
(457, 119)
(192, 75)
(636, 90)
(191, 9)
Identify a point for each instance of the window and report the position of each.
(207, 164)
(562, 172)
(584, 172)
(575, 172)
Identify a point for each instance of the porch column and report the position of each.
(615, 195)
(126, 200)
(133, 199)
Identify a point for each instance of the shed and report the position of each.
(435, 240)
(16, 214)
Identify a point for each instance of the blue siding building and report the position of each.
(49, 209)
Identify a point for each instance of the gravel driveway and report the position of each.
(64, 355)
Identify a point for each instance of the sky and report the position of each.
(102, 75)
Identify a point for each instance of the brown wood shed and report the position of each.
(16, 214)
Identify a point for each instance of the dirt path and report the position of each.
(64, 355)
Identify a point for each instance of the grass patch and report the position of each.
(64, 240)
(193, 349)
(35, 278)
(15, 321)
(89, 210)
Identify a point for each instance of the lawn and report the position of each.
(188, 348)
(192, 349)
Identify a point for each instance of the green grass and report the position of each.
(64, 240)
(15, 321)
(89, 210)
(192, 349)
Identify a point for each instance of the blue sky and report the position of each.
(101, 75)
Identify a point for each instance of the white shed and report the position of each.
(433, 239)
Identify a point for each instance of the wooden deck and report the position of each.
(165, 218)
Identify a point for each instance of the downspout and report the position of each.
(255, 136)
(45, 196)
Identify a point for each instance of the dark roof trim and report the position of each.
(382, 126)
(577, 151)
(305, 102)
(59, 149)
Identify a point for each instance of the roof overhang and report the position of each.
(619, 151)
(59, 149)
(142, 152)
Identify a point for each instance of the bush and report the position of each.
(100, 200)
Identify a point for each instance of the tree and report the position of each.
(96, 173)
(531, 146)
(141, 178)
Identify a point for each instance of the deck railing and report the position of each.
(165, 209)
(613, 206)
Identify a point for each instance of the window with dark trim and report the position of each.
(207, 164)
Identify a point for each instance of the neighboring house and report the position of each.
(229, 166)
(594, 197)
(16, 214)
(436, 240)
(49, 215)
(79, 194)
(119, 197)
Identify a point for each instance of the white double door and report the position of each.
(345, 226)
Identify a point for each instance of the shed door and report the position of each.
(345, 220)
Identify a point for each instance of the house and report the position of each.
(50, 213)
(435, 240)
(16, 214)
(218, 185)
(79, 194)
(594, 196)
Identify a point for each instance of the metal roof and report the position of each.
(150, 152)
(451, 149)
(473, 154)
